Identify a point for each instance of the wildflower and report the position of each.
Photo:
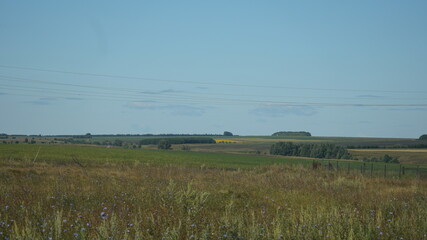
(83, 229)
(104, 215)
(75, 234)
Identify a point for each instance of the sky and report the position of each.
(333, 68)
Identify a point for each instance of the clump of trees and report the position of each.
(386, 159)
(291, 134)
(164, 144)
(423, 137)
(227, 133)
(330, 151)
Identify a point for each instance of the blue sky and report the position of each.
(333, 68)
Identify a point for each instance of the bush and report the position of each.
(164, 144)
(386, 159)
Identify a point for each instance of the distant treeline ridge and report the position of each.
(178, 140)
(291, 134)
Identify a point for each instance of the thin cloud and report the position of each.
(42, 101)
(369, 96)
(74, 98)
(49, 100)
(174, 109)
(408, 109)
(283, 110)
(161, 92)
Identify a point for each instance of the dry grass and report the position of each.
(412, 156)
(133, 200)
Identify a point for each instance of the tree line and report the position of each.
(330, 151)
(291, 134)
(178, 140)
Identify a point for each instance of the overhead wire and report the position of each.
(267, 103)
(200, 82)
(144, 91)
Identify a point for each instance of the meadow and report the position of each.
(86, 192)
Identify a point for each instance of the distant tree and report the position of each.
(118, 142)
(387, 158)
(227, 133)
(26, 140)
(423, 137)
(164, 144)
(88, 135)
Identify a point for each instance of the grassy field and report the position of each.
(74, 192)
(89, 192)
(414, 156)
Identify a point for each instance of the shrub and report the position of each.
(164, 144)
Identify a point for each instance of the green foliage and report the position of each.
(118, 142)
(178, 140)
(229, 134)
(330, 151)
(164, 144)
(291, 134)
(386, 159)
(423, 137)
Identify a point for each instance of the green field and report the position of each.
(94, 192)
(69, 154)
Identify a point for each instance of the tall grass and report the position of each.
(133, 200)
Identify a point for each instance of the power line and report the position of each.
(200, 83)
(265, 103)
(139, 92)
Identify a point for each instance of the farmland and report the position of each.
(230, 190)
